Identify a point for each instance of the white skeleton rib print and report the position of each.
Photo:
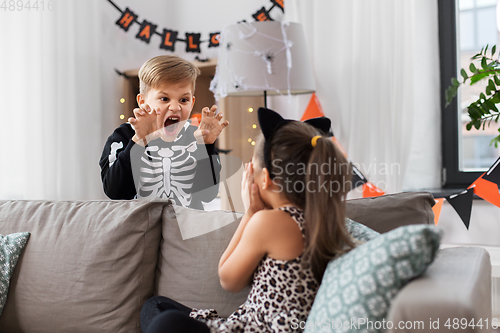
(168, 173)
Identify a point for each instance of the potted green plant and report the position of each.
(484, 110)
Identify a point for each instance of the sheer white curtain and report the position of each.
(376, 64)
(50, 92)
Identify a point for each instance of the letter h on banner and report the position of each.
(125, 21)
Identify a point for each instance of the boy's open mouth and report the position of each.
(171, 124)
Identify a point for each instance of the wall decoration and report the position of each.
(370, 191)
(462, 203)
(169, 37)
(314, 110)
(485, 187)
(437, 209)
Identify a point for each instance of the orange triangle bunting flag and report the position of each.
(313, 109)
(370, 190)
(437, 209)
(486, 190)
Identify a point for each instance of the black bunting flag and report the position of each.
(126, 20)
(214, 39)
(280, 4)
(493, 173)
(169, 37)
(358, 178)
(146, 31)
(462, 203)
(193, 42)
(262, 15)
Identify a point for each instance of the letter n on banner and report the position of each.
(262, 15)
(193, 42)
(125, 21)
(147, 29)
(168, 39)
(214, 39)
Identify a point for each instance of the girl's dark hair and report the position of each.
(315, 179)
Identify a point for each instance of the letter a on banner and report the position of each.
(126, 20)
(146, 31)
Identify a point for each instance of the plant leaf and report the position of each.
(484, 65)
(472, 68)
(464, 74)
(493, 50)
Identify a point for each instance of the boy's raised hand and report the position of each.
(210, 126)
(144, 123)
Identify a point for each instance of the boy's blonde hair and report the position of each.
(166, 70)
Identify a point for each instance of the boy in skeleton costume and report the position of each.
(159, 153)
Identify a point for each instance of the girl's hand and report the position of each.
(250, 192)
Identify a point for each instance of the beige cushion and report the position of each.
(88, 266)
(388, 212)
(456, 285)
(193, 242)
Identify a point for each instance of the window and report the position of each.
(465, 26)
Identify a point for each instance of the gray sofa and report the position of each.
(89, 266)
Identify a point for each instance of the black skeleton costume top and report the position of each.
(182, 170)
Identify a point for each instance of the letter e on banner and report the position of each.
(262, 15)
(168, 39)
(214, 39)
(125, 21)
(146, 30)
(193, 42)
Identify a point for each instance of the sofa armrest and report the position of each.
(456, 285)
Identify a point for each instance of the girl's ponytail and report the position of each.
(327, 179)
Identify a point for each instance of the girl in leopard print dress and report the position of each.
(293, 193)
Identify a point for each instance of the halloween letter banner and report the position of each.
(169, 37)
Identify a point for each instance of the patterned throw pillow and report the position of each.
(360, 231)
(357, 288)
(11, 247)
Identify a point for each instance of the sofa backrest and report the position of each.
(390, 211)
(87, 267)
(192, 244)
